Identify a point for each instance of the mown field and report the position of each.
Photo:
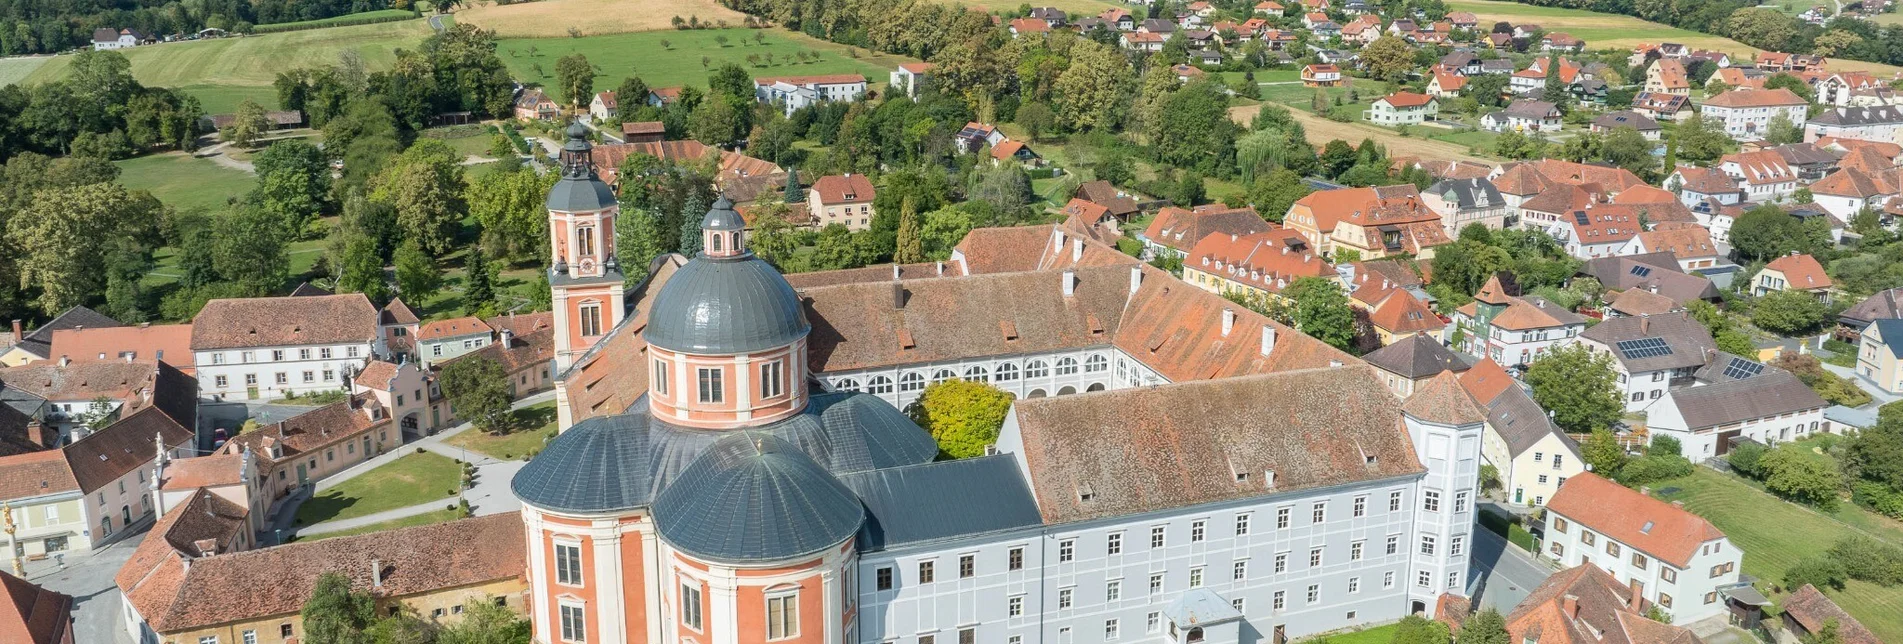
(553, 18)
(680, 61)
(223, 72)
(1774, 535)
(15, 70)
(1072, 7)
(1604, 30)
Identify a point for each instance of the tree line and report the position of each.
(53, 26)
(98, 110)
(1769, 29)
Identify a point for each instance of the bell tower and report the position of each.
(585, 282)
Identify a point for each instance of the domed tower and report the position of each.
(726, 336)
(585, 282)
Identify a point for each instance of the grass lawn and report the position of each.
(427, 518)
(14, 70)
(1076, 8)
(466, 140)
(184, 182)
(1481, 138)
(223, 71)
(1889, 19)
(411, 480)
(1376, 635)
(1775, 534)
(348, 19)
(536, 423)
(619, 56)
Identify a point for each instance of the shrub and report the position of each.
(1652, 468)
(1880, 498)
(1745, 458)
(1820, 571)
(1867, 559)
(1664, 445)
(1797, 477)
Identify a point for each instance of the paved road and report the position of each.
(87, 577)
(1502, 574)
(436, 22)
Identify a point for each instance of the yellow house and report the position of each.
(1259, 265)
(1878, 359)
(438, 571)
(1532, 456)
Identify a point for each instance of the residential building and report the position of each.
(1610, 121)
(106, 38)
(1747, 401)
(38, 344)
(232, 477)
(1374, 222)
(1520, 182)
(1461, 202)
(1514, 330)
(795, 92)
(1744, 77)
(1690, 243)
(270, 347)
(1702, 187)
(1447, 84)
(1532, 456)
(1880, 354)
(1395, 312)
(1807, 613)
(1774, 61)
(603, 106)
(526, 360)
(1258, 265)
(535, 105)
(1652, 354)
(49, 404)
(171, 343)
(1661, 106)
(1585, 604)
(397, 325)
(1763, 174)
(841, 199)
(1657, 273)
(1812, 161)
(1848, 191)
(410, 394)
(1659, 551)
(907, 78)
(1559, 41)
(436, 571)
(1524, 115)
(1796, 271)
(1747, 113)
(1321, 75)
(1408, 364)
(1887, 303)
(444, 339)
(92, 492)
(1402, 108)
(1175, 231)
(1269, 8)
(643, 131)
(1667, 76)
(30, 614)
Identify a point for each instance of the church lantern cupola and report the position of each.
(723, 231)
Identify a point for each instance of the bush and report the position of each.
(1746, 458)
(1879, 498)
(1866, 559)
(1820, 571)
(1798, 477)
(1653, 468)
(1664, 446)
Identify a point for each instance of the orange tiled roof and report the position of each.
(1800, 271)
(1665, 531)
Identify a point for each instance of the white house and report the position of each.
(1671, 557)
(1652, 354)
(1514, 330)
(104, 38)
(1764, 174)
(603, 106)
(1872, 123)
(795, 92)
(1531, 454)
(1761, 404)
(1747, 113)
(85, 494)
(267, 347)
(1526, 116)
(1850, 190)
(909, 77)
(1402, 108)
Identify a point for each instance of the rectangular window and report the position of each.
(1612, 548)
(277, 355)
(1154, 623)
(883, 578)
(1017, 558)
(590, 319)
(250, 637)
(1110, 630)
(1354, 584)
(1394, 501)
(1242, 524)
(1015, 606)
(1196, 531)
(1314, 593)
(1453, 580)
(1242, 571)
(1639, 561)
(324, 353)
(1113, 544)
(221, 381)
(1361, 506)
(574, 624)
(1281, 562)
(1430, 500)
(772, 379)
(967, 566)
(1668, 574)
(1454, 545)
(1354, 550)
(1281, 599)
(568, 564)
(1064, 596)
(690, 606)
(1321, 511)
(967, 636)
(1156, 583)
(1113, 590)
(1156, 536)
(1314, 557)
(303, 354)
(1387, 580)
(1066, 550)
(1427, 544)
(925, 572)
(660, 377)
(1281, 518)
(351, 351)
(282, 378)
(783, 616)
(1196, 577)
(711, 390)
(1425, 579)
(1394, 544)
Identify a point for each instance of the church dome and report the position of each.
(723, 217)
(726, 305)
(580, 189)
(752, 497)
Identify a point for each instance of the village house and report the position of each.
(231, 478)
(1321, 75)
(1514, 330)
(1372, 222)
(975, 136)
(1700, 188)
(436, 571)
(38, 344)
(1270, 8)
(603, 107)
(1880, 354)
(1585, 604)
(1848, 191)
(171, 343)
(1667, 76)
(1402, 108)
(1793, 272)
(643, 131)
(1746, 114)
(526, 356)
(1610, 121)
(1116, 203)
(1019, 27)
(1807, 613)
(49, 404)
(1256, 266)
(1142, 40)
(316, 444)
(444, 339)
(1176, 231)
(908, 78)
(1874, 123)
(1532, 455)
(1460, 202)
(1772, 61)
(1885, 304)
(1446, 84)
(1657, 550)
(795, 92)
(1651, 354)
(93, 491)
(1524, 115)
(1811, 161)
(1690, 243)
(841, 199)
(1741, 77)
(1744, 401)
(533, 105)
(1764, 174)
(410, 393)
(1559, 41)
(1394, 312)
(1657, 273)
(106, 38)
(1407, 364)
(269, 347)
(1663, 107)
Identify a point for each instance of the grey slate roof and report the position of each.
(1855, 116)
(579, 189)
(1688, 340)
(1774, 392)
(1617, 273)
(1521, 422)
(942, 500)
(753, 497)
(624, 461)
(722, 216)
(1892, 331)
(1417, 356)
(726, 306)
(1467, 192)
(1626, 118)
(1885, 304)
(40, 341)
(1716, 370)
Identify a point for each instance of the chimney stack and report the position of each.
(1070, 283)
(1136, 279)
(1645, 323)
(16, 331)
(1228, 321)
(1268, 339)
(63, 361)
(36, 433)
(895, 272)
(1077, 250)
(376, 574)
(941, 269)
(1569, 605)
(508, 337)
(898, 295)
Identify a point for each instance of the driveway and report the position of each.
(1500, 575)
(87, 577)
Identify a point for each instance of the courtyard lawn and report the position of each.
(414, 479)
(535, 424)
(1376, 635)
(466, 140)
(444, 515)
(1775, 534)
(616, 57)
(184, 182)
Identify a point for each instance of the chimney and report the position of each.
(1077, 250)
(36, 433)
(1645, 323)
(1228, 321)
(941, 269)
(895, 272)
(1569, 605)
(1136, 279)
(63, 361)
(206, 547)
(376, 574)
(898, 295)
(16, 331)
(1057, 239)
(1638, 603)
(1070, 283)
(508, 337)
(129, 355)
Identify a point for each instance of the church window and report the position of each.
(1037, 369)
(1066, 366)
(714, 242)
(585, 241)
(711, 390)
(846, 384)
(910, 382)
(1096, 363)
(772, 379)
(1007, 372)
(660, 377)
(590, 319)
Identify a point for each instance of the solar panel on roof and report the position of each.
(1645, 348)
(1641, 271)
(1581, 217)
(1740, 368)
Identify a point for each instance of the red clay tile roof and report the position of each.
(1006, 149)
(204, 471)
(1706, 180)
(1029, 25)
(1762, 167)
(396, 312)
(917, 68)
(1812, 610)
(1756, 98)
(1142, 450)
(169, 342)
(105, 455)
(1486, 380)
(1269, 260)
(377, 375)
(848, 188)
(1685, 243)
(415, 560)
(284, 321)
(1032, 248)
(30, 614)
(1442, 400)
(453, 327)
(1449, 82)
(1407, 99)
(36, 474)
(1846, 182)
(525, 351)
(1638, 301)
(1400, 312)
(1522, 179)
(1665, 531)
(1801, 271)
(732, 165)
(1366, 206)
(1613, 180)
(522, 323)
(1585, 605)
(312, 430)
(1181, 229)
(643, 127)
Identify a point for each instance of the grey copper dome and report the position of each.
(726, 306)
(752, 497)
(723, 217)
(579, 189)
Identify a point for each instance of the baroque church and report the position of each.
(734, 465)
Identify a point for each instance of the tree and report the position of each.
(962, 416)
(910, 250)
(425, 185)
(1485, 627)
(1821, 571)
(1090, 94)
(479, 291)
(249, 250)
(1747, 458)
(1797, 477)
(941, 229)
(693, 210)
(640, 239)
(1415, 629)
(1555, 90)
(1699, 140)
(1789, 312)
(361, 270)
(1663, 445)
(577, 78)
(1627, 148)
(714, 122)
(1388, 59)
(335, 614)
(478, 389)
(293, 183)
(1274, 194)
(1767, 232)
(631, 95)
(486, 622)
(247, 124)
(1579, 386)
(1115, 166)
(509, 207)
(1602, 452)
(416, 273)
(1835, 42)
(1762, 28)
(1322, 311)
(1037, 120)
(62, 232)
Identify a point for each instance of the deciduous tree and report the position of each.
(1789, 312)
(1322, 311)
(425, 185)
(478, 389)
(577, 78)
(1091, 92)
(335, 614)
(962, 416)
(247, 124)
(1579, 386)
(416, 274)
